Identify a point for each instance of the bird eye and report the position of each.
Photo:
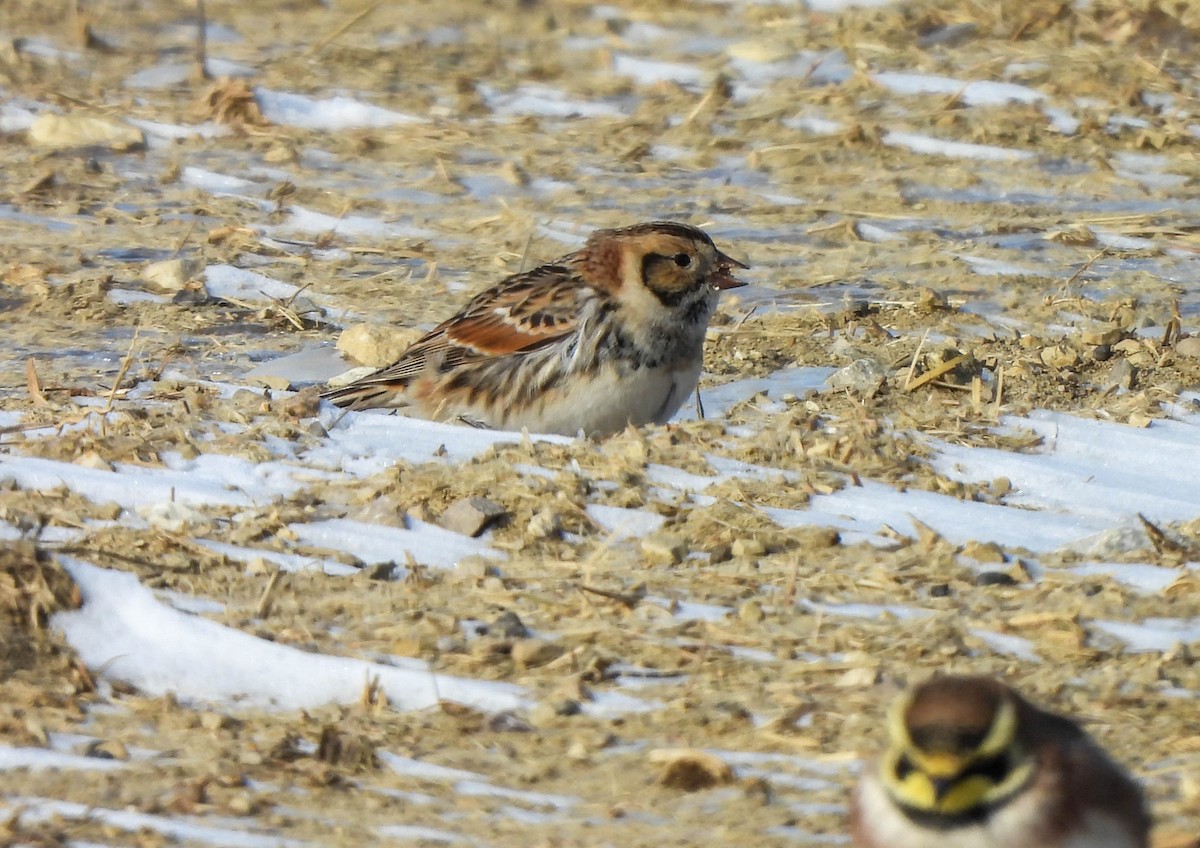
(683, 260)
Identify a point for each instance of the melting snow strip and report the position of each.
(123, 629)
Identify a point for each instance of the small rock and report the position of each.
(509, 625)
(1128, 346)
(303, 404)
(92, 459)
(507, 721)
(995, 578)
(493, 584)
(1124, 316)
(663, 548)
(108, 749)
(172, 275)
(375, 345)
(1101, 336)
(864, 376)
(258, 566)
(1110, 543)
(984, 551)
(1060, 356)
(241, 804)
(194, 295)
(858, 678)
(548, 712)
(279, 153)
(1121, 376)
(819, 538)
(842, 346)
(720, 552)
(543, 715)
(1101, 353)
(247, 399)
(351, 376)
(471, 516)
(421, 511)
(381, 571)
(73, 130)
(1073, 234)
(690, 769)
(530, 653)
(1188, 347)
(316, 429)
(471, 569)
(931, 299)
(760, 51)
(213, 721)
(546, 524)
(108, 511)
(750, 612)
(747, 548)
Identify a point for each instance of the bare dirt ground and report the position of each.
(1088, 314)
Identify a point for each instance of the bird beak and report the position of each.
(722, 278)
(942, 787)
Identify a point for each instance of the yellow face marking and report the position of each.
(938, 765)
(1002, 732)
(931, 781)
(917, 790)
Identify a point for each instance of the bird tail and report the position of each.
(365, 395)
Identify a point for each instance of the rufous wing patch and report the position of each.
(496, 335)
(521, 317)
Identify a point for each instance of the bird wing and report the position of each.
(523, 313)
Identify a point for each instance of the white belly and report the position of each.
(609, 402)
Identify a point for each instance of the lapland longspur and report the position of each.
(972, 764)
(608, 336)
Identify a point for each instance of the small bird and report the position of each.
(605, 337)
(972, 764)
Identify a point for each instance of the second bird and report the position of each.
(972, 764)
(602, 338)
